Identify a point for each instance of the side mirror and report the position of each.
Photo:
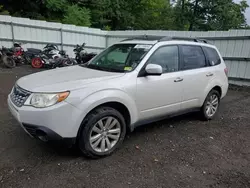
(153, 69)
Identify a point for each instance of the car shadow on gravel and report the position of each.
(60, 149)
(167, 123)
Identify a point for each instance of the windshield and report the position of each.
(120, 58)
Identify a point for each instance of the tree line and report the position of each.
(193, 15)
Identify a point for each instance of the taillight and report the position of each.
(226, 71)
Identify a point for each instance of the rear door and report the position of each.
(214, 62)
(196, 75)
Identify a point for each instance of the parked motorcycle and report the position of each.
(63, 62)
(81, 55)
(19, 54)
(23, 55)
(54, 58)
(46, 57)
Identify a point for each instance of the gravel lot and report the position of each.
(179, 152)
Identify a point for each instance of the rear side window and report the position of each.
(212, 56)
(193, 57)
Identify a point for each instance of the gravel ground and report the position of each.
(179, 152)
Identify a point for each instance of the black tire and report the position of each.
(89, 122)
(8, 62)
(67, 63)
(203, 111)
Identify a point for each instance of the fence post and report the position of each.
(12, 33)
(106, 40)
(61, 31)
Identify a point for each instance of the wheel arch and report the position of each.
(217, 88)
(120, 107)
(118, 100)
(210, 87)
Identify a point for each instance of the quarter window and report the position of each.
(212, 56)
(193, 57)
(167, 57)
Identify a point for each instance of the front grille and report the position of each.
(19, 96)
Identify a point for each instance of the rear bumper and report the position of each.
(224, 90)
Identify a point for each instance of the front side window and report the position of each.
(193, 57)
(167, 57)
(212, 55)
(120, 57)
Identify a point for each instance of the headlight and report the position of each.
(42, 100)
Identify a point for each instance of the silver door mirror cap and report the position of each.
(153, 69)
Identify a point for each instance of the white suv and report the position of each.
(131, 83)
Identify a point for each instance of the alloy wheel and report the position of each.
(105, 134)
(212, 105)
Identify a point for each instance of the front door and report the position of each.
(160, 95)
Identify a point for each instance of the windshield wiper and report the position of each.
(91, 66)
(109, 69)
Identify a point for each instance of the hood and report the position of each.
(63, 79)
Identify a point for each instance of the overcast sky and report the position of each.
(247, 11)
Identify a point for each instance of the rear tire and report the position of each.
(102, 132)
(211, 105)
(36, 63)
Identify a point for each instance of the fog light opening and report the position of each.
(42, 136)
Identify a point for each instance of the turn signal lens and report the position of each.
(62, 96)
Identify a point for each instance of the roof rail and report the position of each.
(183, 38)
(144, 37)
(167, 38)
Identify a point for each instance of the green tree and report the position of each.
(180, 15)
(225, 14)
(135, 14)
(77, 16)
(210, 14)
(55, 9)
(2, 11)
(153, 14)
(25, 8)
(66, 12)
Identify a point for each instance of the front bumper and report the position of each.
(45, 134)
(58, 122)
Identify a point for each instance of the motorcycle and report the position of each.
(52, 58)
(6, 58)
(47, 56)
(19, 54)
(81, 56)
(23, 55)
(63, 62)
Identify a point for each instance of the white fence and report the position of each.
(38, 33)
(233, 44)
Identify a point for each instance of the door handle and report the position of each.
(178, 80)
(209, 74)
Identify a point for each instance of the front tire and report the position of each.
(8, 62)
(102, 132)
(211, 105)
